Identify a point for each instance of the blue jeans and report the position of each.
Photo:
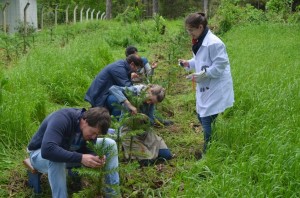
(163, 154)
(207, 123)
(57, 170)
(113, 106)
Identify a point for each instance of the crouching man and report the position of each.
(61, 139)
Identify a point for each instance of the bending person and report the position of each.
(61, 139)
(117, 73)
(147, 147)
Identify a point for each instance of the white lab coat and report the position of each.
(214, 93)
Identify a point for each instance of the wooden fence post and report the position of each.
(87, 14)
(25, 18)
(81, 13)
(67, 14)
(4, 16)
(103, 16)
(97, 16)
(74, 14)
(42, 17)
(92, 14)
(55, 17)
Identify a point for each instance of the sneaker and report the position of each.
(168, 122)
(198, 155)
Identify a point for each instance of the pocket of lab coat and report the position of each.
(204, 89)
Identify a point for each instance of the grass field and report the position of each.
(256, 146)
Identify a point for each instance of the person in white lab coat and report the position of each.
(214, 90)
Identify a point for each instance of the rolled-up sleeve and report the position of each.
(117, 91)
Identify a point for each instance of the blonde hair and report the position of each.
(158, 91)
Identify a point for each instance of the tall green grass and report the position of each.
(56, 73)
(255, 152)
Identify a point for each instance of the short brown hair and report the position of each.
(98, 117)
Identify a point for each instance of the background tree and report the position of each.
(205, 7)
(147, 8)
(180, 8)
(108, 9)
(155, 7)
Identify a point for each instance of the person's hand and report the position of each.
(132, 108)
(197, 77)
(134, 75)
(154, 65)
(183, 63)
(92, 161)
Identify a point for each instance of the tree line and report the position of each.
(179, 7)
(143, 9)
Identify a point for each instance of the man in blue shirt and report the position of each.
(117, 73)
(61, 139)
(147, 70)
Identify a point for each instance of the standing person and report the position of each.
(214, 91)
(147, 147)
(61, 139)
(147, 70)
(117, 73)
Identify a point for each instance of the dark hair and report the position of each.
(130, 50)
(136, 59)
(195, 19)
(98, 117)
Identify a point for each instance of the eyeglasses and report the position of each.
(190, 30)
(137, 65)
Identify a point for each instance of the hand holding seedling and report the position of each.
(134, 75)
(154, 65)
(93, 161)
(132, 108)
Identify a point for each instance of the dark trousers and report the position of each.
(207, 123)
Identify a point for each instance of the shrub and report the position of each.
(230, 13)
(130, 15)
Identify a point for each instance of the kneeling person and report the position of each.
(61, 139)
